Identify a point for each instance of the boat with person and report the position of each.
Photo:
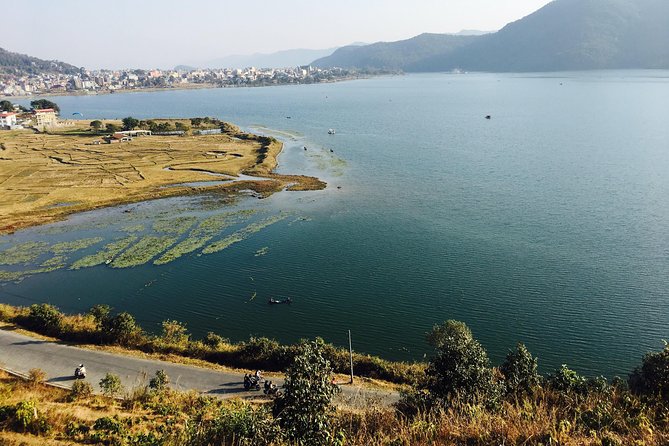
(273, 301)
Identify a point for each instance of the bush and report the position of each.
(305, 407)
(160, 381)
(460, 369)
(36, 376)
(122, 329)
(652, 378)
(520, 372)
(566, 380)
(235, 425)
(111, 385)
(80, 389)
(44, 318)
(213, 341)
(27, 418)
(175, 333)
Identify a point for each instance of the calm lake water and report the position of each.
(548, 224)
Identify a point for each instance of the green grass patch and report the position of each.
(109, 252)
(143, 251)
(73, 246)
(23, 253)
(242, 234)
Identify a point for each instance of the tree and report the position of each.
(196, 122)
(520, 372)
(111, 385)
(121, 329)
(460, 369)
(112, 128)
(44, 318)
(305, 406)
(41, 104)
(130, 123)
(566, 380)
(6, 106)
(174, 332)
(180, 126)
(96, 125)
(652, 378)
(100, 313)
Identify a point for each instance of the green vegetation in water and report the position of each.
(242, 234)
(175, 226)
(15, 276)
(262, 251)
(143, 251)
(23, 253)
(133, 228)
(75, 245)
(57, 262)
(109, 252)
(328, 161)
(202, 234)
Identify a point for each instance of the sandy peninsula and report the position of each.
(45, 177)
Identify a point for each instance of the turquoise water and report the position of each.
(547, 224)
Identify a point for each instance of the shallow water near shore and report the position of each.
(546, 224)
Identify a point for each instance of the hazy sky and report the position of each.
(164, 33)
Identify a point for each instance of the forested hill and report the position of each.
(563, 35)
(395, 55)
(21, 64)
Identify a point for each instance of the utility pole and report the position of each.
(350, 351)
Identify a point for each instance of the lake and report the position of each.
(547, 224)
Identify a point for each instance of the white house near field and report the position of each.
(7, 120)
(45, 118)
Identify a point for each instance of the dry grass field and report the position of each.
(44, 177)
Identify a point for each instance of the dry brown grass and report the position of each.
(44, 177)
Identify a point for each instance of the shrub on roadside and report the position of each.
(160, 381)
(80, 389)
(520, 372)
(111, 385)
(44, 318)
(36, 376)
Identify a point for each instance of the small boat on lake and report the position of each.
(280, 301)
(331, 132)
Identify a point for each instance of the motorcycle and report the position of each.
(80, 372)
(251, 382)
(271, 389)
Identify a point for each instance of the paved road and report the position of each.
(20, 353)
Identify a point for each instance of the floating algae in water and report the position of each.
(57, 262)
(202, 234)
(133, 228)
(175, 226)
(107, 253)
(15, 276)
(242, 234)
(143, 251)
(23, 253)
(262, 251)
(73, 246)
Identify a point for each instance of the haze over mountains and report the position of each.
(21, 64)
(563, 35)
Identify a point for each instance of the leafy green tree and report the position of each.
(180, 126)
(112, 128)
(214, 341)
(111, 385)
(520, 372)
(304, 409)
(130, 123)
(100, 313)
(460, 369)
(566, 380)
(122, 329)
(41, 104)
(44, 318)
(6, 106)
(196, 122)
(652, 377)
(96, 125)
(175, 332)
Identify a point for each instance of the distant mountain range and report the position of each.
(563, 35)
(280, 59)
(21, 64)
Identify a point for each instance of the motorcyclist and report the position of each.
(80, 372)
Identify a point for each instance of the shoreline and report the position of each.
(264, 152)
(174, 88)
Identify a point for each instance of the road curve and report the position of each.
(20, 353)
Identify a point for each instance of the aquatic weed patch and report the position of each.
(143, 251)
(23, 253)
(75, 245)
(202, 234)
(243, 234)
(109, 252)
(175, 226)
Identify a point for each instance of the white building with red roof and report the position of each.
(7, 120)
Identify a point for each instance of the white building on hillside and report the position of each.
(45, 118)
(7, 120)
